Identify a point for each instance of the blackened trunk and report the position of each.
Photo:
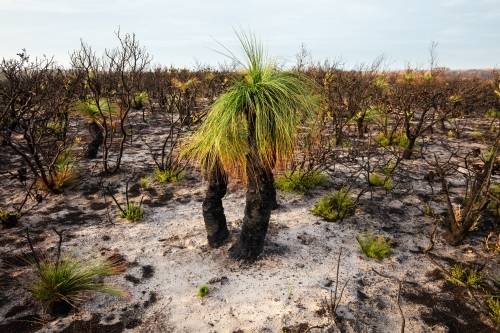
(98, 138)
(259, 198)
(213, 211)
(408, 152)
(274, 201)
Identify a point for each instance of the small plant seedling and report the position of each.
(398, 139)
(492, 244)
(494, 305)
(300, 181)
(170, 176)
(458, 272)
(133, 213)
(491, 113)
(475, 279)
(471, 277)
(203, 291)
(8, 219)
(378, 180)
(389, 168)
(374, 247)
(335, 206)
(427, 210)
(144, 182)
(290, 291)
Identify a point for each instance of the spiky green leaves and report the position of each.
(274, 102)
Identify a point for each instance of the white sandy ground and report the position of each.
(285, 287)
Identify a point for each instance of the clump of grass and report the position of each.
(335, 206)
(470, 277)
(132, 213)
(492, 244)
(63, 173)
(7, 218)
(139, 99)
(397, 139)
(389, 168)
(491, 113)
(300, 181)
(494, 305)
(67, 279)
(378, 180)
(203, 291)
(374, 247)
(145, 182)
(170, 176)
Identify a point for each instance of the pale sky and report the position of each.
(178, 32)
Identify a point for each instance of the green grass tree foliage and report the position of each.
(63, 281)
(249, 129)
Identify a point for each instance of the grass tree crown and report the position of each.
(262, 110)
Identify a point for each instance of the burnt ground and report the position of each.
(167, 254)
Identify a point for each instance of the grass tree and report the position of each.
(249, 129)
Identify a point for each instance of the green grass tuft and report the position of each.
(335, 206)
(374, 247)
(70, 278)
(170, 176)
(133, 213)
(300, 181)
(494, 305)
(145, 182)
(471, 277)
(378, 180)
(398, 139)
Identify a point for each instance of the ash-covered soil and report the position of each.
(289, 287)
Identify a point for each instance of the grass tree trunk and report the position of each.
(97, 140)
(259, 198)
(213, 211)
(408, 152)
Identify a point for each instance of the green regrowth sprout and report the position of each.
(374, 247)
(203, 291)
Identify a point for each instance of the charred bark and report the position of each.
(97, 140)
(213, 211)
(259, 196)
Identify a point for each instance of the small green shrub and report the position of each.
(300, 181)
(69, 278)
(203, 291)
(378, 180)
(470, 277)
(170, 176)
(6, 217)
(374, 247)
(133, 213)
(494, 305)
(491, 113)
(475, 279)
(427, 210)
(139, 99)
(398, 139)
(335, 206)
(389, 168)
(144, 182)
(458, 272)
